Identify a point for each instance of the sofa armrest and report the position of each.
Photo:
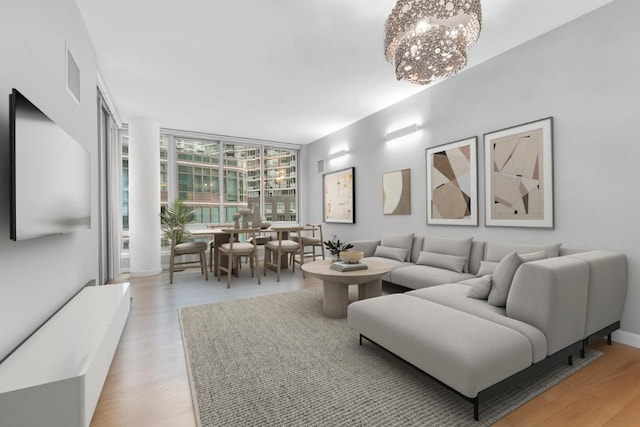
(366, 246)
(551, 295)
(608, 277)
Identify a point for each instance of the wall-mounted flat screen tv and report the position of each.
(50, 175)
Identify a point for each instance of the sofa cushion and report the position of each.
(418, 242)
(403, 241)
(533, 256)
(449, 246)
(393, 263)
(487, 267)
(495, 251)
(454, 295)
(502, 278)
(480, 287)
(421, 276)
(448, 262)
(397, 254)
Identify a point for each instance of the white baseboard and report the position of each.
(627, 338)
(145, 273)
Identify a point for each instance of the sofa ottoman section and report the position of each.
(478, 355)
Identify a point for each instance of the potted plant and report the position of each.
(335, 246)
(177, 215)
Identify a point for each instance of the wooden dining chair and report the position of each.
(274, 250)
(310, 237)
(235, 249)
(188, 248)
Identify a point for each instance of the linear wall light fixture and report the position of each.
(337, 154)
(402, 132)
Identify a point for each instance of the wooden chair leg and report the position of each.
(302, 259)
(278, 266)
(203, 260)
(230, 260)
(218, 267)
(211, 258)
(267, 253)
(171, 267)
(254, 264)
(257, 265)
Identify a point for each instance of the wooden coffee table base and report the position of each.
(336, 284)
(336, 296)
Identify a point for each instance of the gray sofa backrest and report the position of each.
(551, 294)
(366, 246)
(608, 278)
(495, 251)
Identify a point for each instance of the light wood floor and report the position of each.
(148, 385)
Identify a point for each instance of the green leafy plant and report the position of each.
(335, 246)
(177, 215)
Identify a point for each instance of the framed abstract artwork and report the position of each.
(452, 183)
(519, 175)
(339, 194)
(396, 192)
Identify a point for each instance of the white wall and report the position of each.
(584, 74)
(38, 275)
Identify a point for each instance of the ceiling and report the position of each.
(279, 70)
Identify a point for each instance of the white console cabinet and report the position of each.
(54, 379)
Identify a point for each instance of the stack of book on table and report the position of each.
(343, 266)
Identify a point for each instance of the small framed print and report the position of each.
(339, 194)
(452, 183)
(396, 192)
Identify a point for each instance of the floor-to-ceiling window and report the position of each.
(216, 177)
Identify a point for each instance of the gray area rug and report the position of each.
(276, 360)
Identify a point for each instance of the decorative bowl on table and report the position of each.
(265, 224)
(351, 257)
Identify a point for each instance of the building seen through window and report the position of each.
(216, 178)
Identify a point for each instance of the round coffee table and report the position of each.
(335, 284)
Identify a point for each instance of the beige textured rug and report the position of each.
(276, 360)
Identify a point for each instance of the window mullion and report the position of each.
(221, 185)
(172, 170)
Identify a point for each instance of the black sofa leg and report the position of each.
(608, 339)
(360, 339)
(476, 409)
(583, 349)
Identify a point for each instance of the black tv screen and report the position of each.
(51, 179)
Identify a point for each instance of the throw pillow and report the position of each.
(403, 241)
(495, 251)
(448, 262)
(533, 256)
(480, 287)
(449, 246)
(502, 278)
(397, 254)
(486, 267)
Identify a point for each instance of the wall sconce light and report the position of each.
(408, 130)
(337, 154)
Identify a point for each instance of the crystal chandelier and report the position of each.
(428, 39)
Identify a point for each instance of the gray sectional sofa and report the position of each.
(483, 322)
